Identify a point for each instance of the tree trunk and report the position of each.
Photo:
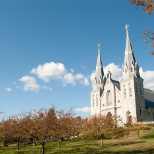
(101, 142)
(102, 137)
(18, 143)
(34, 140)
(58, 144)
(5, 143)
(43, 148)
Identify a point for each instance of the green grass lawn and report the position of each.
(117, 146)
(127, 145)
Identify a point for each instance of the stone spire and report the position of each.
(98, 80)
(99, 66)
(130, 67)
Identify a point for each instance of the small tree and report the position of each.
(73, 126)
(6, 131)
(64, 124)
(17, 133)
(11, 131)
(38, 125)
(99, 127)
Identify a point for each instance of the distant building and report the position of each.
(126, 98)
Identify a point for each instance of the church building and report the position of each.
(127, 98)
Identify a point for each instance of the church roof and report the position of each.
(116, 83)
(149, 94)
(149, 103)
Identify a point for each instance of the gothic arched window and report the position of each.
(93, 100)
(109, 117)
(124, 90)
(108, 98)
(96, 99)
(130, 90)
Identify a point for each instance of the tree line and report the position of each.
(44, 125)
(52, 125)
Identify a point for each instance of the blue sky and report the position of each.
(49, 48)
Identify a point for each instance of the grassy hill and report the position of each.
(125, 145)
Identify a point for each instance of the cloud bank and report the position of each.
(57, 71)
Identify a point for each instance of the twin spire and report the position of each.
(130, 67)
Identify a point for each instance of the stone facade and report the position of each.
(124, 98)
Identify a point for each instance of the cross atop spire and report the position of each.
(126, 27)
(99, 47)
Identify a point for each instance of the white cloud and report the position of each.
(8, 89)
(50, 70)
(113, 68)
(86, 81)
(92, 76)
(115, 71)
(57, 71)
(79, 76)
(69, 78)
(84, 109)
(148, 77)
(29, 83)
(82, 79)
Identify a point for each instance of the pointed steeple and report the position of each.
(98, 81)
(130, 67)
(99, 66)
(128, 44)
(99, 61)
